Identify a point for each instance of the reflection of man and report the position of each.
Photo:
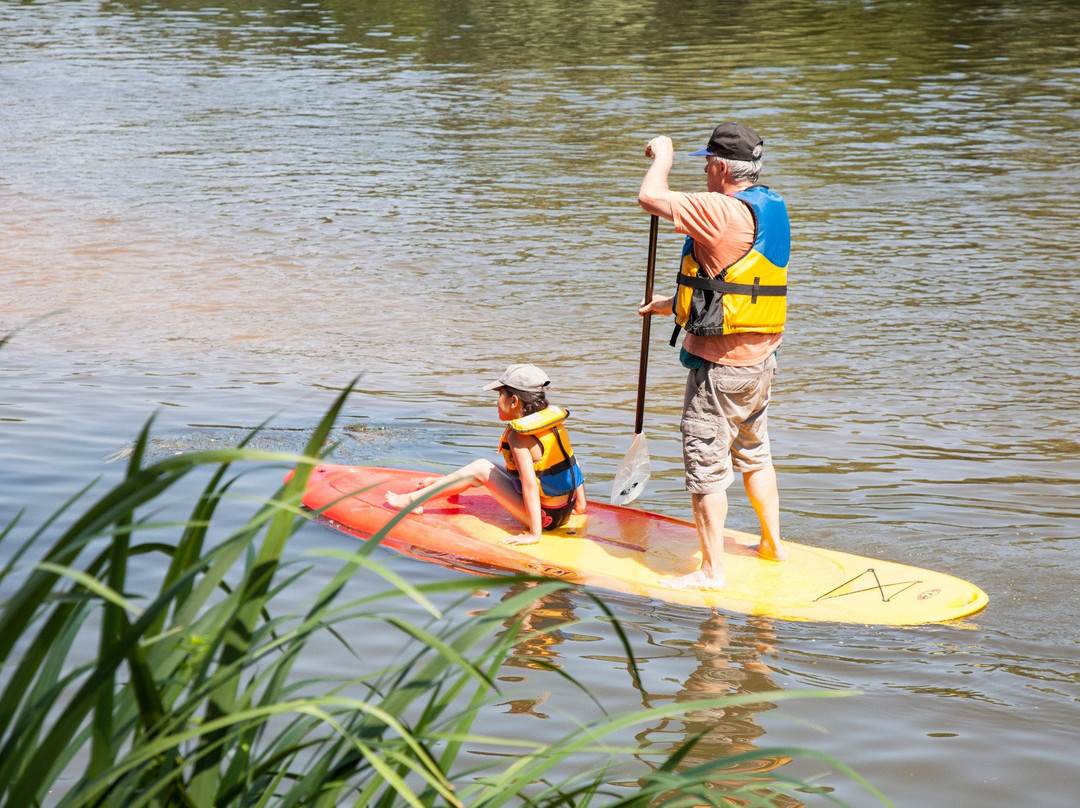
(731, 301)
(727, 668)
(723, 670)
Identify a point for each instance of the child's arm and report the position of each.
(579, 499)
(521, 446)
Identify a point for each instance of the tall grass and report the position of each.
(181, 689)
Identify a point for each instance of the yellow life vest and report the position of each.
(557, 469)
(751, 293)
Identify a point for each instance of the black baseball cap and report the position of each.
(733, 141)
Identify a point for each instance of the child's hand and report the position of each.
(522, 538)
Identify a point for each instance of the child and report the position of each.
(542, 484)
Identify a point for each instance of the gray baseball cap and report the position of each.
(527, 378)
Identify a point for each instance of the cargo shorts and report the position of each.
(724, 423)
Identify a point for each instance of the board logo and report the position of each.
(929, 593)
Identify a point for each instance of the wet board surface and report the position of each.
(633, 551)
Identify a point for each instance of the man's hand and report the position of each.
(654, 193)
(658, 305)
(660, 147)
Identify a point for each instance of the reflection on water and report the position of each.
(544, 628)
(726, 666)
(228, 210)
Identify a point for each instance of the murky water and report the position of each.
(223, 211)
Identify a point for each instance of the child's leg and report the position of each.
(475, 474)
(479, 472)
(504, 490)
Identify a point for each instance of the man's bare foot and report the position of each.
(521, 538)
(401, 501)
(769, 552)
(697, 580)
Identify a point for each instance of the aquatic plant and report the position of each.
(119, 688)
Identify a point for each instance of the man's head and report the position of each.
(733, 141)
(734, 155)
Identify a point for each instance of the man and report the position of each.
(731, 301)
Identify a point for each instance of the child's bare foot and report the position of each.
(697, 580)
(769, 552)
(401, 501)
(522, 538)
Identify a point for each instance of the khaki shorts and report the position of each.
(724, 424)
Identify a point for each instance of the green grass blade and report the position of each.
(254, 587)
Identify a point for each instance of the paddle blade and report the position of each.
(632, 474)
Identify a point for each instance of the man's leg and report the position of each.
(764, 496)
(710, 511)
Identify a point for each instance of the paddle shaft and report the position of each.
(643, 365)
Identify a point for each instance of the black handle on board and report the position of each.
(654, 227)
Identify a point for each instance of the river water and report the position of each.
(221, 212)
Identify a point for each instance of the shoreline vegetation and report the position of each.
(117, 690)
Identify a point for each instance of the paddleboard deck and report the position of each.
(635, 552)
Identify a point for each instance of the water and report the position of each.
(222, 212)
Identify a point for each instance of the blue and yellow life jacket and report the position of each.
(752, 291)
(557, 469)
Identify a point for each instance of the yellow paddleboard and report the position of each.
(635, 552)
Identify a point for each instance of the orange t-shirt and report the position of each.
(722, 228)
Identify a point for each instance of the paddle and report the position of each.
(633, 472)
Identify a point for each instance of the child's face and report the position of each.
(509, 405)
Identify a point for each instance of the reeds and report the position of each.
(180, 689)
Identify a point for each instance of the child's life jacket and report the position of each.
(557, 469)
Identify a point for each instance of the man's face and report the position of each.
(714, 174)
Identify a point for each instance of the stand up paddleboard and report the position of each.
(635, 552)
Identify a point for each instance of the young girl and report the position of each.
(542, 484)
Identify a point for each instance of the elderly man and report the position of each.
(731, 301)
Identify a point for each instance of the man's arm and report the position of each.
(655, 196)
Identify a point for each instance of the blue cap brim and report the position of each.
(700, 153)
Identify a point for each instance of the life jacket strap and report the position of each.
(558, 468)
(754, 290)
(568, 463)
(675, 335)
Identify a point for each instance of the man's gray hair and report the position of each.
(741, 169)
